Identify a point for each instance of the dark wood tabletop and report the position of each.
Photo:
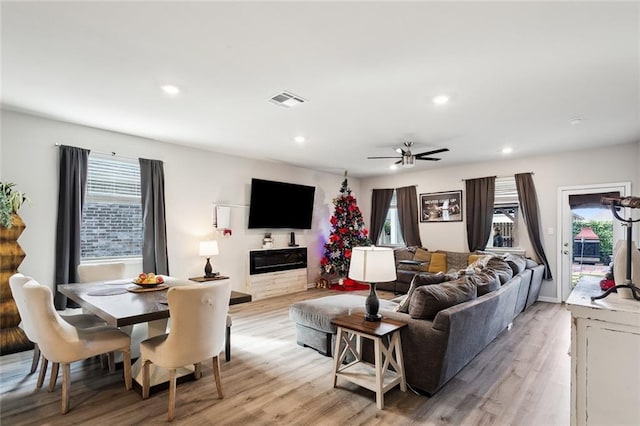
(356, 322)
(127, 308)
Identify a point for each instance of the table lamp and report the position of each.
(208, 249)
(372, 265)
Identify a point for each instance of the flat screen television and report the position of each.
(276, 205)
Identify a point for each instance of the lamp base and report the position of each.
(372, 318)
(371, 305)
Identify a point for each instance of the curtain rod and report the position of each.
(462, 180)
(112, 153)
(230, 205)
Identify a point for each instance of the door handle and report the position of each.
(566, 252)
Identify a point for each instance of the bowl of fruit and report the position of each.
(148, 280)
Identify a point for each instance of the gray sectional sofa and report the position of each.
(434, 349)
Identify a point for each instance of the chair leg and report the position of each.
(111, 356)
(145, 379)
(172, 393)
(197, 370)
(216, 375)
(36, 358)
(227, 345)
(54, 376)
(126, 365)
(66, 384)
(43, 372)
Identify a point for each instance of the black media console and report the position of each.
(274, 260)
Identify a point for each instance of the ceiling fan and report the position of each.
(407, 159)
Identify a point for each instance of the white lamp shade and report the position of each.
(209, 248)
(372, 264)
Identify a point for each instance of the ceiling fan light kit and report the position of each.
(408, 160)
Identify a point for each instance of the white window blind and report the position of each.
(110, 178)
(505, 192)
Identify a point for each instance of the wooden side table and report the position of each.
(377, 377)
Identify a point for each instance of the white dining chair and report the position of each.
(16, 283)
(62, 343)
(101, 272)
(198, 321)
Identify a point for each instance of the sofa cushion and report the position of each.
(405, 277)
(456, 260)
(438, 263)
(517, 263)
(485, 281)
(501, 267)
(428, 300)
(418, 281)
(531, 263)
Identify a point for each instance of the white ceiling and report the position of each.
(517, 73)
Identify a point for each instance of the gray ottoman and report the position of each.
(313, 319)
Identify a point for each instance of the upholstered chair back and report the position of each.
(17, 282)
(198, 323)
(101, 272)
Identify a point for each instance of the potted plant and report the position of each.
(10, 202)
(12, 338)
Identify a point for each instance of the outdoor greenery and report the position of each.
(604, 231)
(10, 202)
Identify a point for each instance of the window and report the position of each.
(505, 214)
(391, 235)
(112, 213)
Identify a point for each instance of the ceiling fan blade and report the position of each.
(428, 158)
(398, 162)
(375, 158)
(437, 151)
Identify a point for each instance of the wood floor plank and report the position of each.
(522, 378)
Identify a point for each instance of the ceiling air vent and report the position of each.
(286, 100)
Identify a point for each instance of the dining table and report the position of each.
(122, 303)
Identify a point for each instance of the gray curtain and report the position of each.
(380, 202)
(529, 203)
(72, 185)
(479, 197)
(154, 224)
(408, 215)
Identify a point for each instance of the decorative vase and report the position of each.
(620, 268)
(12, 338)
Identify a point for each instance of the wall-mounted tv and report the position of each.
(276, 205)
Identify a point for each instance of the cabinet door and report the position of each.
(608, 375)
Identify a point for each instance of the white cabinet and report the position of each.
(605, 358)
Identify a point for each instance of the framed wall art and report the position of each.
(441, 207)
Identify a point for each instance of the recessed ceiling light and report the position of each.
(507, 150)
(170, 89)
(299, 139)
(440, 99)
(393, 167)
(575, 121)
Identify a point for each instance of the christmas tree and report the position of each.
(347, 231)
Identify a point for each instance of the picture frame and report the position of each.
(443, 206)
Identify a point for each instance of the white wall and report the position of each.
(194, 180)
(612, 164)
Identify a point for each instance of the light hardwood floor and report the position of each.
(522, 378)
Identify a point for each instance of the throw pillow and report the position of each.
(485, 281)
(456, 260)
(517, 263)
(479, 261)
(428, 300)
(438, 263)
(501, 267)
(424, 257)
(418, 281)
